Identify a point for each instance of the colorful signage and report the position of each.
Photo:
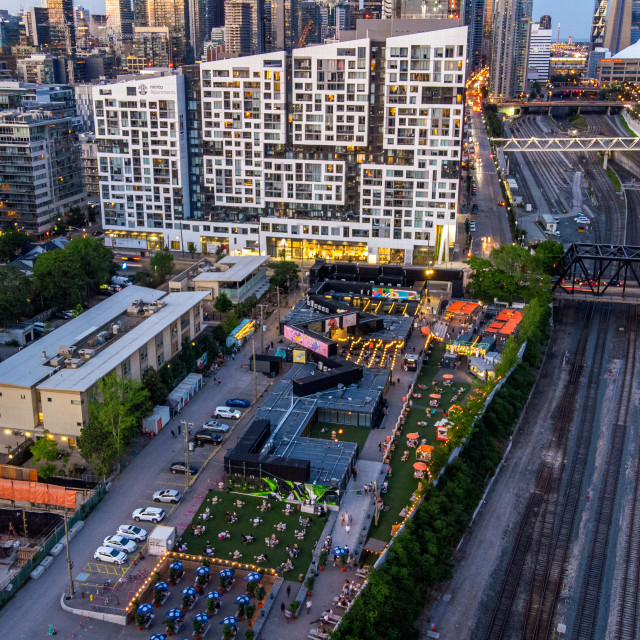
(394, 294)
(304, 340)
(350, 320)
(299, 356)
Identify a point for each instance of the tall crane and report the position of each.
(305, 33)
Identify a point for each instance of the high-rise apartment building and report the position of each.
(37, 68)
(348, 150)
(62, 34)
(599, 23)
(538, 54)
(545, 20)
(119, 19)
(37, 24)
(152, 47)
(140, 127)
(474, 20)
(172, 14)
(511, 20)
(623, 24)
(39, 161)
(240, 27)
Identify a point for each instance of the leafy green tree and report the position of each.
(15, 288)
(47, 470)
(44, 449)
(95, 259)
(285, 274)
(161, 264)
(191, 248)
(75, 217)
(118, 406)
(144, 278)
(547, 255)
(11, 243)
(152, 382)
(223, 303)
(230, 323)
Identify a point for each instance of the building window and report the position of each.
(22, 396)
(160, 359)
(184, 323)
(76, 402)
(49, 400)
(175, 245)
(143, 354)
(126, 368)
(159, 341)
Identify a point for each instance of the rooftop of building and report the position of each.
(233, 269)
(630, 53)
(28, 367)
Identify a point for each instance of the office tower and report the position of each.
(240, 27)
(474, 20)
(599, 23)
(509, 47)
(593, 59)
(11, 29)
(623, 25)
(217, 13)
(39, 157)
(140, 18)
(172, 14)
(144, 146)
(90, 175)
(487, 39)
(82, 21)
(284, 26)
(37, 22)
(151, 48)
(309, 23)
(538, 54)
(545, 20)
(199, 25)
(119, 19)
(62, 35)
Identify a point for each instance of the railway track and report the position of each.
(591, 588)
(542, 501)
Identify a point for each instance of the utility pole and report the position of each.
(187, 469)
(278, 294)
(255, 373)
(375, 497)
(261, 336)
(72, 592)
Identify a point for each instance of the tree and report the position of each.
(118, 406)
(44, 448)
(161, 264)
(152, 382)
(12, 242)
(223, 303)
(285, 274)
(95, 259)
(75, 217)
(547, 255)
(191, 248)
(15, 289)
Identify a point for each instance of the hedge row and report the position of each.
(420, 557)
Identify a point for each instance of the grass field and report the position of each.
(402, 483)
(349, 433)
(250, 510)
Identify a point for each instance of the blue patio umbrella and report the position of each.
(158, 636)
(175, 614)
(339, 551)
(202, 571)
(254, 576)
(226, 573)
(230, 620)
(189, 591)
(243, 600)
(202, 617)
(161, 586)
(177, 565)
(145, 608)
(214, 595)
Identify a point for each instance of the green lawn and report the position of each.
(402, 484)
(349, 433)
(277, 555)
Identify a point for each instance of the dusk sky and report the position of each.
(574, 15)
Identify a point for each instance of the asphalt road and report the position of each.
(491, 219)
(37, 605)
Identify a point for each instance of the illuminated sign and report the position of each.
(394, 294)
(350, 320)
(304, 340)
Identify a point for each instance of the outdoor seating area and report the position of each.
(189, 596)
(408, 453)
(253, 530)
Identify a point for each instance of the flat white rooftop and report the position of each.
(109, 358)
(240, 267)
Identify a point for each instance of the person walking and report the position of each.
(179, 428)
(355, 473)
(173, 434)
(219, 381)
(348, 529)
(288, 591)
(366, 489)
(308, 607)
(342, 519)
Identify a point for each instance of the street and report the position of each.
(146, 473)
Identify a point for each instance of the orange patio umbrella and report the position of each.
(435, 396)
(447, 376)
(455, 407)
(425, 331)
(419, 466)
(413, 436)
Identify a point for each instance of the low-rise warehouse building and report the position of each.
(48, 384)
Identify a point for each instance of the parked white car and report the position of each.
(167, 495)
(151, 514)
(132, 532)
(109, 554)
(120, 543)
(227, 413)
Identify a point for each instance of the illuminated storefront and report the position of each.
(293, 249)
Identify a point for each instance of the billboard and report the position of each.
(304, 340)
(350, 320)
(299, 356)
(394, 294)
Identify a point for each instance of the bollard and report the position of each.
(83, 595)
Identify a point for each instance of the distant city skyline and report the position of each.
(574, 15)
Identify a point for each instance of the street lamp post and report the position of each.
(187, 469)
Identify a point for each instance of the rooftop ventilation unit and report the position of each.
(67, 352)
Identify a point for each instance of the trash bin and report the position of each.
(192, 445)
